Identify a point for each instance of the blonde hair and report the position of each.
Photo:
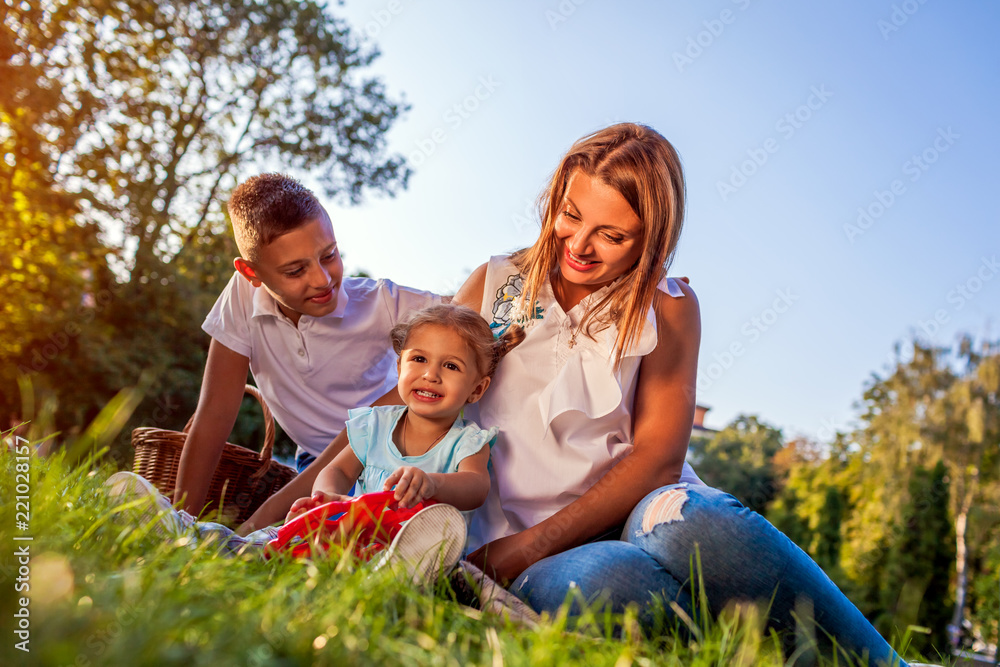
(645, 170)
(470, 326)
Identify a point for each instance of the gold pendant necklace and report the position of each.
(406, 449)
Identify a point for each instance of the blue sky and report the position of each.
(789, 118)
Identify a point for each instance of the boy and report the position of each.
(316, 342)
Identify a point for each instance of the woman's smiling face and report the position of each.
(599, 236)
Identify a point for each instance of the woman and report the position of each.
(596, 405)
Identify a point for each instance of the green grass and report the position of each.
(107, 593)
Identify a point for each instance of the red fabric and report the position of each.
(374, 518)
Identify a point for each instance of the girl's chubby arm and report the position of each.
(667, 377)
(301, 485)
(332, 483)
(466, 488)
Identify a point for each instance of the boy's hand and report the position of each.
(413, 485)
(303, 505)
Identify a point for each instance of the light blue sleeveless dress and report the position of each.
(369, 431)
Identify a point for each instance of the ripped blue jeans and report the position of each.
(742, 558)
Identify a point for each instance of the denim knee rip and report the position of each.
(665, 508)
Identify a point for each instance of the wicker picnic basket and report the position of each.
(243, 480)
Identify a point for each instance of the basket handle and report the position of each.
(265, 453)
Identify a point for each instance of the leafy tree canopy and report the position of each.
(150, 111)
(739, 460)
(125, 123)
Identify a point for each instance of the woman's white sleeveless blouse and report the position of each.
(564, 412)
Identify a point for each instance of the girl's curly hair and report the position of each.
(470, 326)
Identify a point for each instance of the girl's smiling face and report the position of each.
(438, 373)
(599, 237)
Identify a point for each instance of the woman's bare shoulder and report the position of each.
(677, 311)
(678, 333)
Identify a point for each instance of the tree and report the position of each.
(125, 123)
(149, 111)
(738, 460)
(827, 549)
(811, 504)
(937, 405)
(973, 453)
(48, 260)
(985, 599)
(922, 559)
(48, 257)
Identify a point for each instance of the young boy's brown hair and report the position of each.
(265, 207)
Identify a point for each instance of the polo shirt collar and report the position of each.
(341, 301)
(265, 304)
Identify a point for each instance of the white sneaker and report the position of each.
(427, 545)
(148, 506)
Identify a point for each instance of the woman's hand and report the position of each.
(303, 505)
(505, 559)
(413, 485)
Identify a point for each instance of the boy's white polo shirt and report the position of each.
(312, 374)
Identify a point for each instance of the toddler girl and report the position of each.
(424, 448)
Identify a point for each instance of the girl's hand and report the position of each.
(413, 485)
(303, 505)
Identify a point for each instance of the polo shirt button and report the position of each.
(302, 353)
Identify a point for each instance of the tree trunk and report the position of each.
(962, 579)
